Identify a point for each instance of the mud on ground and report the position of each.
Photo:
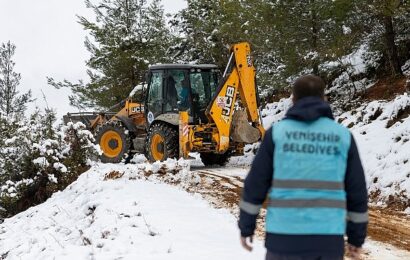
(390, 227)
(386, 226)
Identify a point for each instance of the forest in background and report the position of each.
(348, 43)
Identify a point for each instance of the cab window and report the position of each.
(177, 93)
(203, 85)
(155, 92)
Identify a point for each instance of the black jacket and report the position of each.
(259, 180)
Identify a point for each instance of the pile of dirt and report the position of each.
(386, 89)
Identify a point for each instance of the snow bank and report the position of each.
(111, 212)
(275, 111)
(382, 131)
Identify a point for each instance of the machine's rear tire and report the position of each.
(114, 141)
(162, 142)
(209, 159)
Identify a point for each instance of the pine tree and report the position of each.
(206, 30)
(198, 30)
(262, 34)
(127, 36)
(11, 103)
(388, 23)
(287, 37)
(158, 32)
(310, 33)
(37, 159)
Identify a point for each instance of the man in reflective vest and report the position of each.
(308, 167)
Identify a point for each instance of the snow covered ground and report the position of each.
(123, 219)
(132, 212)
(383, 140)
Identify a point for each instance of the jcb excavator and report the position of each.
(186, 108)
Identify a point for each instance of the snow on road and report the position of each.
(379, 251)
(122, 219)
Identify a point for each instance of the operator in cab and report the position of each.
(184, 95)
(309, 170)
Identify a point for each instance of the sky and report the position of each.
(50, 43)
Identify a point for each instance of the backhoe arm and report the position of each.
(239, 77)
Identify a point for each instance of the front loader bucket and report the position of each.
(86, 118)
(242, 131)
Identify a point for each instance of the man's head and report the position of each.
(308, 86)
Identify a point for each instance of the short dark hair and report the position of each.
(308, 86)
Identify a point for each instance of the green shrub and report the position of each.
(37, 159)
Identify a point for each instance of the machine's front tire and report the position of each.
(114, 141)
(209, 159)
(162, 142)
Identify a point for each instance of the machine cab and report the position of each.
(179, 87)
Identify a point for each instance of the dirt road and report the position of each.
(223, 187)
(390, 227)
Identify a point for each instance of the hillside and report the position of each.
(382, 131)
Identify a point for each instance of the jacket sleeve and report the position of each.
(257, 185)
(356, 193)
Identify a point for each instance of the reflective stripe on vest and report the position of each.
(300, 203)
(306, 184)
(307, 195)
(249, 208)
(358, 217)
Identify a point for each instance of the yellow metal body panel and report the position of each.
(135, 111)
(222, 110)
(185, 146)
(247, 78)
(240, 80)
(131, 110)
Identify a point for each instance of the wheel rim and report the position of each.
(157, 147)
(111, 144)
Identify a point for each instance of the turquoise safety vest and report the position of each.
(307, 195)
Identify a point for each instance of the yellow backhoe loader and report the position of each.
(186, 108)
